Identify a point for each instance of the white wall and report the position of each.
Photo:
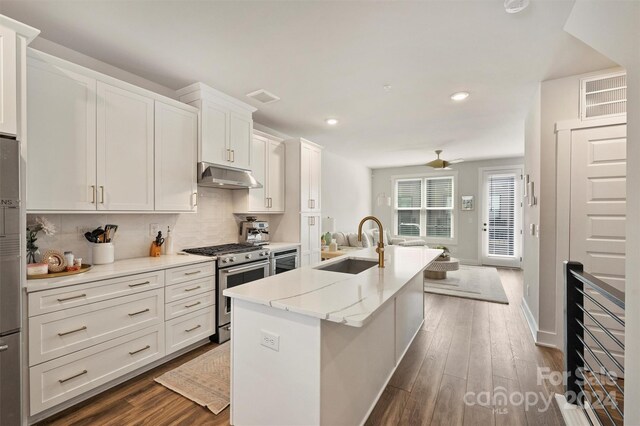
(467, 184)
(346, 191)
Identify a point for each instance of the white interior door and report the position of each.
(598, 216)
(502, 217)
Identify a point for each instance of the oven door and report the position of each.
(234, 276)
(284, 262)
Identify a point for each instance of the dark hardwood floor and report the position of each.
(465, 346)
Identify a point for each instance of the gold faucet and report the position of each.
(380, 248)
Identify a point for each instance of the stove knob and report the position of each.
(248, 256)
(264, 253)
(233, 259)
(225, 260)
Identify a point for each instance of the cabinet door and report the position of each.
(176, 142)
(240, 136)
(214, 147)
(8, 82)
(305, 178)
(61, 165)
(314, 179)
(258, 197)
(276, 169)
(125, 149)
(310, 239)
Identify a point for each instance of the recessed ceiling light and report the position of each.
(515, 6)
(331, 121)
(460, 96)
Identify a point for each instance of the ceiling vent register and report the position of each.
(603, 96)
(263, 96)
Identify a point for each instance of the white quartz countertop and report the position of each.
(335, 296)
(282, 246)
(116, 269)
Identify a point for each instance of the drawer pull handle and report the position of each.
(188, 330)
(4, 348)
(73, 377)
(139, 312)
(192, 273)
(79, 296)
(140, 350)
(193, 288)
(84, 327)
(139, 284)
(192, 305)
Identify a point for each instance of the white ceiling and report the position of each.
(332, 59)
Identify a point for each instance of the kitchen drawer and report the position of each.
(63, 332)
(189, 328)
(188, 273)
(42, 302)
(56, 381)
(188, 289)
(190, 304)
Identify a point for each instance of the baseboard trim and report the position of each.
(572, 414)
(470, 262)
(547, 339)
(531, 321)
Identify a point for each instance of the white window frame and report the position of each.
(423, 210)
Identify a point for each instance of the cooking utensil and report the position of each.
(89, 236)
(159, 239)
(110, 232)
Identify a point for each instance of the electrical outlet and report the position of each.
(80, 230)
(270, 340)
(153, 229)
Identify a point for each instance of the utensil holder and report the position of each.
(103, 253)
(155, 250)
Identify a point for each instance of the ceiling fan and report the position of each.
(439, 163)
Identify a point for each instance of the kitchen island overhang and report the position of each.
(318, 347)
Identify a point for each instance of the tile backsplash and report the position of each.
(214, 223)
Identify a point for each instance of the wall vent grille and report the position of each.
(263, 96)
(603, 96)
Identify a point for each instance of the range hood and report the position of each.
(215, 176)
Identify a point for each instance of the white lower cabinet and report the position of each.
(87, 335)
(60, 333)
(310, 251)
(56, 381)
(190, 328)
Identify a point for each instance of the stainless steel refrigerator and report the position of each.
(10, 272)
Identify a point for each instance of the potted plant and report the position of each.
(39, 224)
(445, 255)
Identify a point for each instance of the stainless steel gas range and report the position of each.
(237, 264)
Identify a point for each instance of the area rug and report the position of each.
(206, 380)
(471, 282)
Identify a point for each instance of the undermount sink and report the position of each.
(349, 266)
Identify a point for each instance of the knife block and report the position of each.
(155, 250)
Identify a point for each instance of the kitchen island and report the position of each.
(314, 346)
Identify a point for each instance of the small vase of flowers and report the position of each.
(445, 255)
(39, 224)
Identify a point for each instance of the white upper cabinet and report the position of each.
(276, 170)
(61, 151)
(257, 198)
(176, 140)
(100, 144)
(213, 146)
(8, 82)
(310, 170)
(240, 136)
(268, 167)
(125, 161)
(226, 126)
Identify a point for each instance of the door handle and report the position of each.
(228, 155)
(84, 327)
(4, 348)
(93, 194)
(188, 330)
(233, 155)
(101, 194)
(73, 377)
(139, 284)
(139, 312)
(194, 199)
(79, 296)
(140, 350)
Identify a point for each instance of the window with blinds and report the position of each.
(408, 207)
(439, 207)
(502, 215)
(425, 207)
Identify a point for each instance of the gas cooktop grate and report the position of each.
(222, 249)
